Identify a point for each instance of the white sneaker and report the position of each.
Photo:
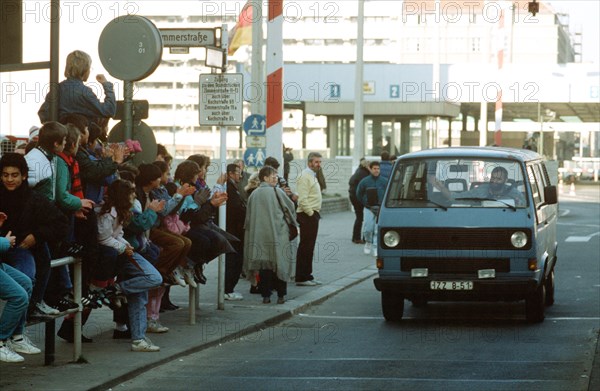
(23, 345)
(367, 249)
(46, 309)
(155, 327)
(8, 355)
(233, 296)
(178, 276)
(144, 345)
(188, 276)
(374, 251)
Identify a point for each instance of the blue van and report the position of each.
(467, 224)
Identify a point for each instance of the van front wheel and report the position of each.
(535, 305)
(550, 288)
(392, 306)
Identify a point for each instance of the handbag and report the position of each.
(292, 228)
(173, 223)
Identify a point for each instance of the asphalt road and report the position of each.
(344, 343)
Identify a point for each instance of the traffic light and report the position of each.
(534, 7)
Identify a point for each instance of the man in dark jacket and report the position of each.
(361, 172)
(373, 181)
(34, 221)
(236, 215)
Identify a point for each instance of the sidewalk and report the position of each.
(338, 263)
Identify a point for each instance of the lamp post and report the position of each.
(548, 115)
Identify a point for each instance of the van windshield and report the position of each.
(457, 183)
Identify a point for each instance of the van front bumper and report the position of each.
(497, 289)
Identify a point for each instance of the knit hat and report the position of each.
(34, 131)
(148, 173)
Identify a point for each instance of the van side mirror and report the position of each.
(550, 195)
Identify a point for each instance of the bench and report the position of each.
(50, 325)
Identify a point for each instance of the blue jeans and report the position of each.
(370, 227)
(15, 288)
(35, 264)
(136, 284)
(22, 260)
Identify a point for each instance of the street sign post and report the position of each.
(221, 99)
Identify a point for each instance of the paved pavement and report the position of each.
(338, 263)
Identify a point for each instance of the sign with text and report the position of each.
(188, 37)
(256, 142)
(221, 99)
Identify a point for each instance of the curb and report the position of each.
(309, 299)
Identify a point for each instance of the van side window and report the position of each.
(540, 181)
(535, 191)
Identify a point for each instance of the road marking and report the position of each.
(564, 213)
(580, 225)
(581, 238)
(341, 317)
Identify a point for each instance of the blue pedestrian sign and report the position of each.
(334, 90)
(254, 157)
(255, 125)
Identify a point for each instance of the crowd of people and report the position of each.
(137, 230)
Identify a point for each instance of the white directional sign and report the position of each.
(221, 99)
(256, 142)
(187, 37)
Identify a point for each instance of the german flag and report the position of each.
(241, 33)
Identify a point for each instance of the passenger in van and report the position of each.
(496, 189)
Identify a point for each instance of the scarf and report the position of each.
(73, 165)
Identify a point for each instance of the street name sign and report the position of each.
(221, 99)
(188, 37)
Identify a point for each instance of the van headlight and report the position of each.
(391, 238)
(518, 239)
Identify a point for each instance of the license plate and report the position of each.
(451, 285)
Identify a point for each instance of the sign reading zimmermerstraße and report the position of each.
(221, 99)
(188, 37)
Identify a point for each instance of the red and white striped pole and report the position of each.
(500, 61)
(274, 65)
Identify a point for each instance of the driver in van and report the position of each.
(496, 189)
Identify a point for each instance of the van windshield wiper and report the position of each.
(420, 200)
(514, 208)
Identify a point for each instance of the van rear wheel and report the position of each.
(535, 304)
(392, 306)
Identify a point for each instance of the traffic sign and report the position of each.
(256, 142)
(254, 157)
(221, 99)
(255, 125)
(188, 37)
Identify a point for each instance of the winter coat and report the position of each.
(266, 240)
(95, 174)
(31, 213)
(75, 97)
(378, 182)
(360, 173)
(66, 201)
(236, 211)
